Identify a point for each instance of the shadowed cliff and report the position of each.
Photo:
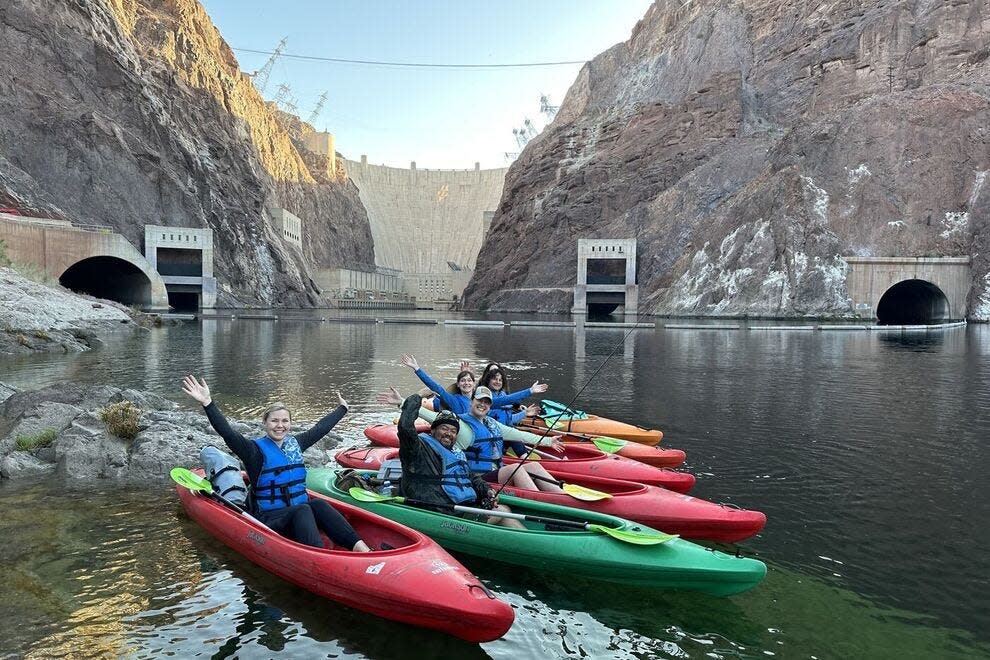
(748, 146)
(134, 112)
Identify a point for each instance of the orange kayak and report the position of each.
(637, 451)
(594, 425)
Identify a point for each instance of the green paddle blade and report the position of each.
(362, 495)
(636, 538)
(608, 445)
(190, 480)
(585, 494)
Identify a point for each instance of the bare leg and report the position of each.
(519, 477)
(505, 522)
(540, 471)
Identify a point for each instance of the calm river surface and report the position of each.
(868, 453)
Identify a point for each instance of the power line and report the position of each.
(421, 65)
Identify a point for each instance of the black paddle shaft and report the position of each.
(519, 516)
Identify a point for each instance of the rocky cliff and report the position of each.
(749, 146)
(134, 112)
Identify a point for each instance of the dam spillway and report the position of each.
(421, 219)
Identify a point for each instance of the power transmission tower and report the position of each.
(525, 133)
(317, 110)
(283, 97)
(260, 76)
(549, 110)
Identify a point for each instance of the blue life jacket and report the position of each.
(456, 477)
(485, 453)
(503, 415)
(282, 481)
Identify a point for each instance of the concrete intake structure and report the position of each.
(606, 276)
(909, 290)
(421, 219)
(92, 260)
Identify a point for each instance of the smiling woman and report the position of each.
(275, 468)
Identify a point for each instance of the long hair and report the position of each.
(490, 371)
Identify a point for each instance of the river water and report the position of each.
(867, 451)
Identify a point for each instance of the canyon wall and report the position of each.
(749, 145)
(134, 112)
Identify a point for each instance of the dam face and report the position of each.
(423, 219)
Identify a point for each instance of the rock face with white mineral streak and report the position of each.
(749, 147)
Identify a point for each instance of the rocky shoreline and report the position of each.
(59, 431)
(37, 317)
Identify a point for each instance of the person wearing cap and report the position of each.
(485, 453)
(483, 440)
(458, 397)
(435, 471)
(274, 465)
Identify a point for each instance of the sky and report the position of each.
(444, 118)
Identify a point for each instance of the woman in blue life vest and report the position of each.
(485, 453)
(480, 437)
(434, 470)
(275, 468)
(496, 379)
(458, 397)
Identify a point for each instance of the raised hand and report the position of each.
(341, 399)
(539, 388)
(466, 365)
(410, 362)
(197, 389)
(391, 395)
(532, 410)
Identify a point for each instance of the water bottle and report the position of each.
(386, 489)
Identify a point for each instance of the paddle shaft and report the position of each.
(508, 514)
(581, 436)
(547, 480)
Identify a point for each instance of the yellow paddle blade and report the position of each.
(585, 494)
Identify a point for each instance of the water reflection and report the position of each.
(858, 446)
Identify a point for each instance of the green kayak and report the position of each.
(593, 553)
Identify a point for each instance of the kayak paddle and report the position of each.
(574, 490)
(192, 481)
(624, 535)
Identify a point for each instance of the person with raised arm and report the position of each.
(482, 440)
(457, 397)
(435, 471)
(275, 469)
(495, 378)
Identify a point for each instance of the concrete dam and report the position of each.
(423, 219)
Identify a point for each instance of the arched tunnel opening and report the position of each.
(110, 278)
(913, 302)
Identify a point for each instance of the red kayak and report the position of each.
(659, 508)
(386, 435)
(578, 461)
(415, 582)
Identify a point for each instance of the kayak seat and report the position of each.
(350, 478)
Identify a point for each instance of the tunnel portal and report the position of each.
(110, 278)
(913, 302)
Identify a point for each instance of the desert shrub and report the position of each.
(22, 340)
(41, 334)
(36, 441)
(122, 419)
